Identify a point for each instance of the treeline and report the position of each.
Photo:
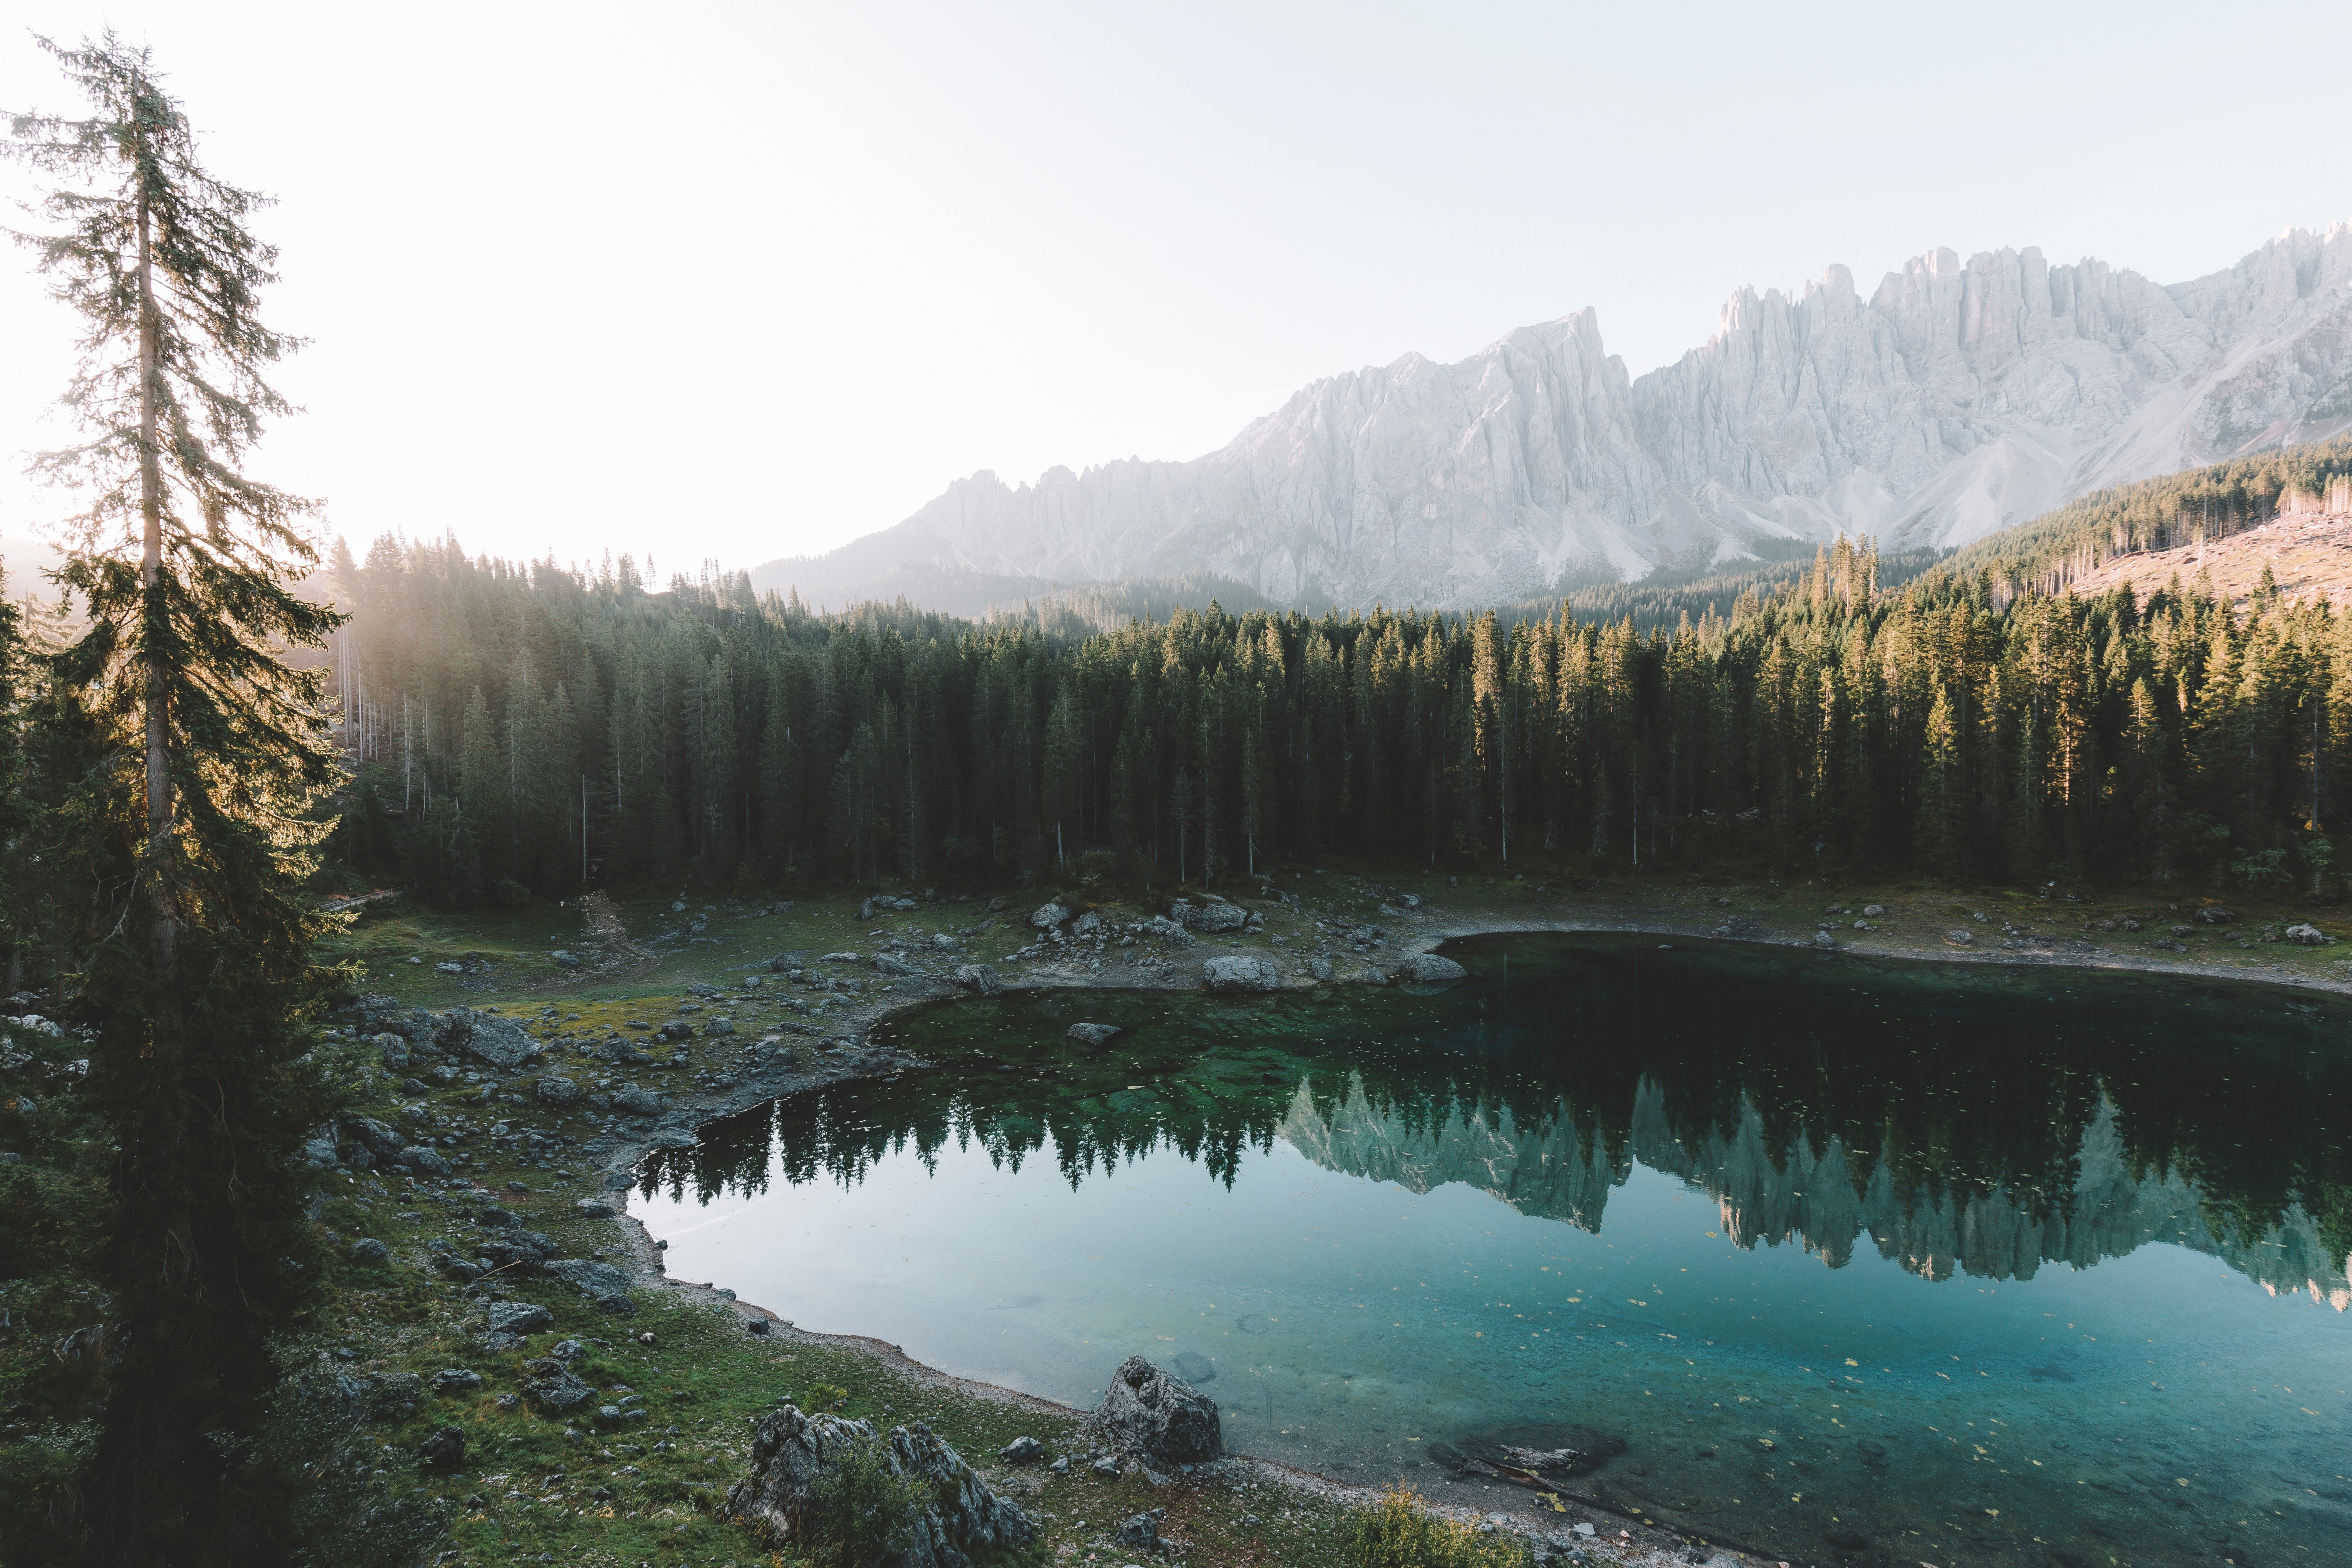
(526, 730)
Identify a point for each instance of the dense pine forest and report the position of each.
(524, 729)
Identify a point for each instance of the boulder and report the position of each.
(455, 1379)
(977, 977)
(1319, 970)
(1240, 972)
(600, 1282)
(375, 1137)
(423, 1161)
(887, 964)
(485, 1036)
(1211, 916)
(1094, 1035)
(1159, 1415)
(1021, 1451)
(2215, 915)
(1429, 969)
(444, 1450)
(1551, 1452)
(790, 1453)
(1048, 916)
(518, 1317)
(319, 1149)
(633, 1101)
(1164, 928)
(2306, 935)
(594, 1208)
(1087, 924)
(555, 1090)
(1140, 1532)
(367, 1250)
(555, 1388)
(394, 1051)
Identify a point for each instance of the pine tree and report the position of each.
(192, 960)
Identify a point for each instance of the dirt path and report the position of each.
(618, 960)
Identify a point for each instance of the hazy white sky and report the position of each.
(742, 280)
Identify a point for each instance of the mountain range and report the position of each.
(1956, 399)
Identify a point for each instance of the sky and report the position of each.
(715, 281)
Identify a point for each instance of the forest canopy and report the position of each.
(525, 729)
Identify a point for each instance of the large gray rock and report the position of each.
(1429, 969)
(977, 977)
(1211, 916)
(517, 1317)
(790, 1452)
(1240, 972)
(632, 1100)
(382, 1142)
(890, 964)
(485, 1036)
(554, 1387)
(1048, 916)
(600, 1282)
(555, 1090)
(423, 1161)
(2306, 935)
(1159, 1416)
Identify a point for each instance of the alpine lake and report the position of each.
(1843, 1260)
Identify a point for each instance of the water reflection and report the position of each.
(1960, 1121)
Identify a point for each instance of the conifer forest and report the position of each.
(525, 729)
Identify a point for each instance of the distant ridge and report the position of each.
(1956, 400)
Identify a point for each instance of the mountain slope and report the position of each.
(1957, 400)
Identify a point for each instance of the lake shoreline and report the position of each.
(1406, 931)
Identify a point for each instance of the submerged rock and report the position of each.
(1159, 1415)
(1531, 1453)
(790, 1453)
(1094, 1035)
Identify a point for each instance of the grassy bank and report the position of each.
(396, 1353)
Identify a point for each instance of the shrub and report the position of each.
(860, 1509)
(1399, 1533)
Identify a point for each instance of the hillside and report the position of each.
(1955, 400)
(2307, 553)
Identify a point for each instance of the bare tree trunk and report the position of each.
(165, 958)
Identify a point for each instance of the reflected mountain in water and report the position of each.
(1772, 1190)
(1969, 1121)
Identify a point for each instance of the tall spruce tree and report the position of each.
(191, 949)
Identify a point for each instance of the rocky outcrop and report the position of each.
(790, 1453)
(1429, 969)
(1159, 1415)
(1956, 398)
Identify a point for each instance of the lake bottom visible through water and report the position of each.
(1397, 1256)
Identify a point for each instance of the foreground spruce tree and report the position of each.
(189, 941)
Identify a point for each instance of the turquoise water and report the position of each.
(1861, 1262)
